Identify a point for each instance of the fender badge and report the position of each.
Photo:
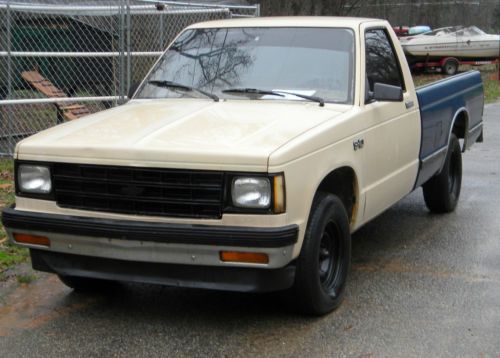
(358, 144)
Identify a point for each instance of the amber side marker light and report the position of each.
(279, 194)
(32, 239)
(247, 257)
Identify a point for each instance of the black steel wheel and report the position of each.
(329, 260)
(441, 192)
(324, 261)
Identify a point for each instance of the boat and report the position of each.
(402, 31)
(417, 30)
(459, 42)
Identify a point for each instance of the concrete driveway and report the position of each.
(422, 285)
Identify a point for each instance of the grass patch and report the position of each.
(492, 91)
(6, 169)
(26, 278)
(10, 255)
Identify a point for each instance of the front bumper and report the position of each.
(208, 277)
(185, 255)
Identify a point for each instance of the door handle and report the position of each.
(409, 104)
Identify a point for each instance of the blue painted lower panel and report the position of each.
(441, 103)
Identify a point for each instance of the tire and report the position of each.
(441, 192)
(86, 284)
(324, 261)
(450, 66)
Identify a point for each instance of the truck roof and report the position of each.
(287, 21)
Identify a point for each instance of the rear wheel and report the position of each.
(325, 258)
(441, 192)
(450, 66)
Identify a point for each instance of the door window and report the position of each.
(382, 65)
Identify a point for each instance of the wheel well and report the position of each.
(342, 183)
(460, 124)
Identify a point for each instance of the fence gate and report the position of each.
(60, 60)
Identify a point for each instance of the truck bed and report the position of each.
(441, 104)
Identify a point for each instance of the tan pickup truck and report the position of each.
(244, 161)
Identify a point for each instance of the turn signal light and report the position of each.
(246, 257)
(279, 194)
(32, 239)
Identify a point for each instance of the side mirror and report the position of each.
(387, 93)
(132, 89)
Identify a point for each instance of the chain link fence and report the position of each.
(63, 59)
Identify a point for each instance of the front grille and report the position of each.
(139, 191)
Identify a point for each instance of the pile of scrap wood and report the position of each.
(66, 110)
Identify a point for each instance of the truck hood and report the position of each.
(180, 133)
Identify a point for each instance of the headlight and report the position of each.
(34, 179)
(251, 192)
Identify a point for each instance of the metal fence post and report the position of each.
(162, 40)
(129, 50)
(10, 129)
(121, 50)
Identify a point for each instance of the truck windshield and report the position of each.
(308, 61)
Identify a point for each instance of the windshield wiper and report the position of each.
(320, 100)
(252, 91)
(171, 84)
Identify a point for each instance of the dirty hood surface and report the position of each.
(181, 133)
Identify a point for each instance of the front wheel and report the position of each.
(442, 191)
(324, 261)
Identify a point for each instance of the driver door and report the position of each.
(392, 138)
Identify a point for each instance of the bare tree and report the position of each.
(308, 7)
(435, 13)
